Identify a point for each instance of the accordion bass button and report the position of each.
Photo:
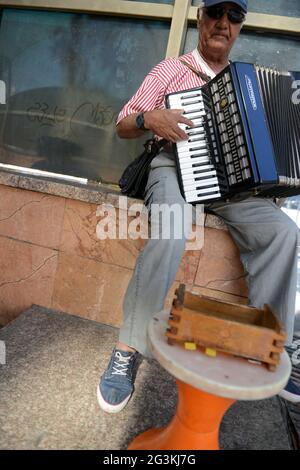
(228, 87)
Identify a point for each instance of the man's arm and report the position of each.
(162, 122)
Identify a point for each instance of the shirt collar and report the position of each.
(205, 67)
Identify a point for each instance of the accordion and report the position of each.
(246, 135)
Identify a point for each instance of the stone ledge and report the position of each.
(91, 192)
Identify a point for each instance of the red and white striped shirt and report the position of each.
(168, 76)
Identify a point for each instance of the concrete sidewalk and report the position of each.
(48, 392)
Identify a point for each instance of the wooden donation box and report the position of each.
(216, 325)
(208, 386)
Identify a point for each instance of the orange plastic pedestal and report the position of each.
(195, 425)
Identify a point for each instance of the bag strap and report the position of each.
(154, 146)
(202, 75)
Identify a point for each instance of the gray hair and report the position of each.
(200, 11)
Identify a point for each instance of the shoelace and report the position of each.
(120, 365)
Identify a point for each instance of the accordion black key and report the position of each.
(246, 135)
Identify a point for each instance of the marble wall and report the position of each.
(50, 255)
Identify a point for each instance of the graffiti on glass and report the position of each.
(85, 114)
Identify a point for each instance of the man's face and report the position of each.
(218, 35)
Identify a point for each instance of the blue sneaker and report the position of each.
(291, 392)
(116, 384)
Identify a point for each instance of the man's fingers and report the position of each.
(186, 121)
(173, 138)
(179, 134)
(183, 136)
(181, 118)
(167, 125)
(176, 111)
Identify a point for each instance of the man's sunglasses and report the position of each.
(233, 14)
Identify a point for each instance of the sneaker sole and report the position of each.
(289, 396)
(107, 406)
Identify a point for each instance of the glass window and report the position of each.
(67, 76)
(276, 7)
(281, 52)
(271, 7)
(266, 49)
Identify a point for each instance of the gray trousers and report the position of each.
(266, 237)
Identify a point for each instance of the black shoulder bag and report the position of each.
(134, 178)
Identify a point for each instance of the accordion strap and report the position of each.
(202, 75)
